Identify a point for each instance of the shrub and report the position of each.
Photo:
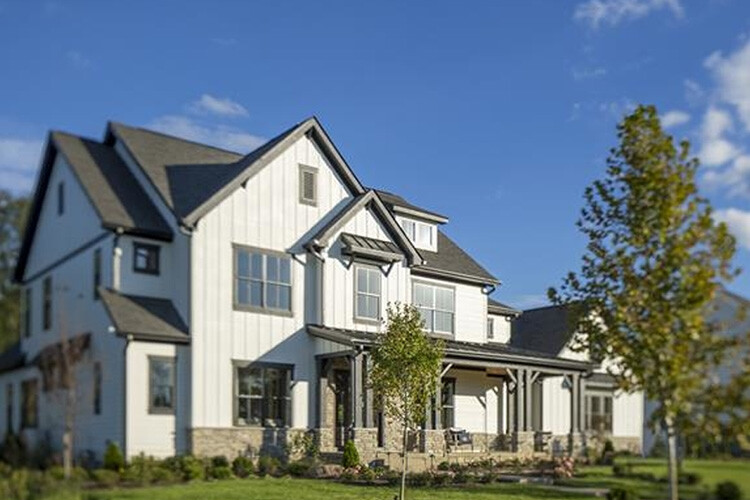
(727, 490)
(113, 459)
(351, 455)
(242, 467)
(418, 479)
(78, 474)
(220, 472)
(191, 468)
(619, 470)
(13, 450)
(444, 465)
(367, 474)
(299, 468)
(16, 485)
(489, 477)
(463, 477)
(268, 466)
(622, 493)
(105, 477)
(689, 478)
(140, 470)
(161, 474)
(219, 461)
(441, 479)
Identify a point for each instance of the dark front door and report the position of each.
(342, 383)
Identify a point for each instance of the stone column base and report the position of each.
(576, 444)
(366, 440)
(326, 439)
(432, 441)
(523, 443)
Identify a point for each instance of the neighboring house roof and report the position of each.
(12, 358)
(115, 194)
(398, 204)
(495, 307)
(145, 318)
(451, 261)
(455, 348)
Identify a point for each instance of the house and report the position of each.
(210, 302)
(623, 418)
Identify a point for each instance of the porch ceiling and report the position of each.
(470, 353)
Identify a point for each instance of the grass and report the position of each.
(710, 471)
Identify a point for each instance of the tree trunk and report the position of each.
(672, 458)
(402, 492)
(68, 435)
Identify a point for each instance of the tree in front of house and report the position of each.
(406, 364)
(12, 220)
(654, 261)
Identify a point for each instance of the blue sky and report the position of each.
(497, 114)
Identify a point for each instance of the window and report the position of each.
(161, 377)
(420, 233)
(9, 408)
(97, 388)
(60, 198)
(262, 395)
(97, 272)
(262, 281)
(26, 312)
(367, 293)
(599, 412)
(308, 185)
(30, 402)
(447, 404)
(490, 328)
(410, 228)
(146, 258)
(437, 307)
(47, 303)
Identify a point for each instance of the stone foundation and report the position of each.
(576, 444)
(366, 440)
(523, 443)
(246, 441)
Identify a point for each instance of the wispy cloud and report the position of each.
(221, 136)
(211, 105)
(77, 59)
(734, 179)
(579, 74)
(674, 118)
(732, 74)
(529, 301)
(613, 12)
(694, 93)
(739, 224)
(19, 158)
(716, 149)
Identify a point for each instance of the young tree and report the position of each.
(12, 220)
(405, 370)
(654, 261)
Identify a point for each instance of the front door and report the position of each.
(342, 384)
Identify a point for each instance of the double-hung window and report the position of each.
(599, 412)
(161, 393)
(30, 402)
(47, 303)
(367, 293)
(447, 404)
(262, 395)
(437, 306)
(262, 280)
(26, 312)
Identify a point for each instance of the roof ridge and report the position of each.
(181, 139)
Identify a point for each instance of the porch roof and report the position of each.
(458, 351)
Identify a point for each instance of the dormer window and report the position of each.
(308, 185)
(422, 234)
(145, 258)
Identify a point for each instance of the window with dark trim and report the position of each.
(262, 395)
(9, 408)
(367, 293)
(97, 272)
(262, 280)
(60, 198)
(437, 306)
(308, 185)
(97, 397)
(447, 403)
(30, 404)
(161, 385)
(490, 328)
(26, 312)
(47, 303)
(599, 412)
(145, 258)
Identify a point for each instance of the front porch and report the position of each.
(489, 403)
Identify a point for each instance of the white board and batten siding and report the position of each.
(266, 214)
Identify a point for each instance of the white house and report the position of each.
(220, 303)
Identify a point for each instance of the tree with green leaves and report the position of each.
(406, 364)
(12, 220)
(654, 262)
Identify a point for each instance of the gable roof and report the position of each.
(398, 204)
(452, 262)
(145, 318)
(115, 194)
(495, 307)
(193, 178)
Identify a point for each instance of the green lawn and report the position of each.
(711, 472)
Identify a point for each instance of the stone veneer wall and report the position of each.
(246, 441)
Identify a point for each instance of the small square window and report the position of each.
(145, 258)
(308, 185)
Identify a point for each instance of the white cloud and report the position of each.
(588, 73)
(738, 222)
(208, 104)
(674, 118)
(716, 149)
(19, 159)
(735, 179)
(732, 73)
(613, 12)
(220, 136)
(694, 93)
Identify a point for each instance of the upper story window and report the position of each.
(9, 408)
(437, 306)
(490, 328)
(97, 272)
(308, 185)
(47, 303)
(421, 234)
(60, 198)
(367, 293)
(262, 280)
(97, 396)
(26, 312)
(161, 384)
(262, 395)
(599, 412)
(145, 258)
(30, 404)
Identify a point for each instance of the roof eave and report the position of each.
(441, 273)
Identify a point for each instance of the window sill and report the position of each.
(159, 411)
(262, 310)
(368, 321)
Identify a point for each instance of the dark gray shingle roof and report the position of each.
(145, 318)
(451, 259)
(493, 306)
(545, 329)
(392, 200)
(113, 190)
(12, 358)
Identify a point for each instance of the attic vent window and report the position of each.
(308, 185)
